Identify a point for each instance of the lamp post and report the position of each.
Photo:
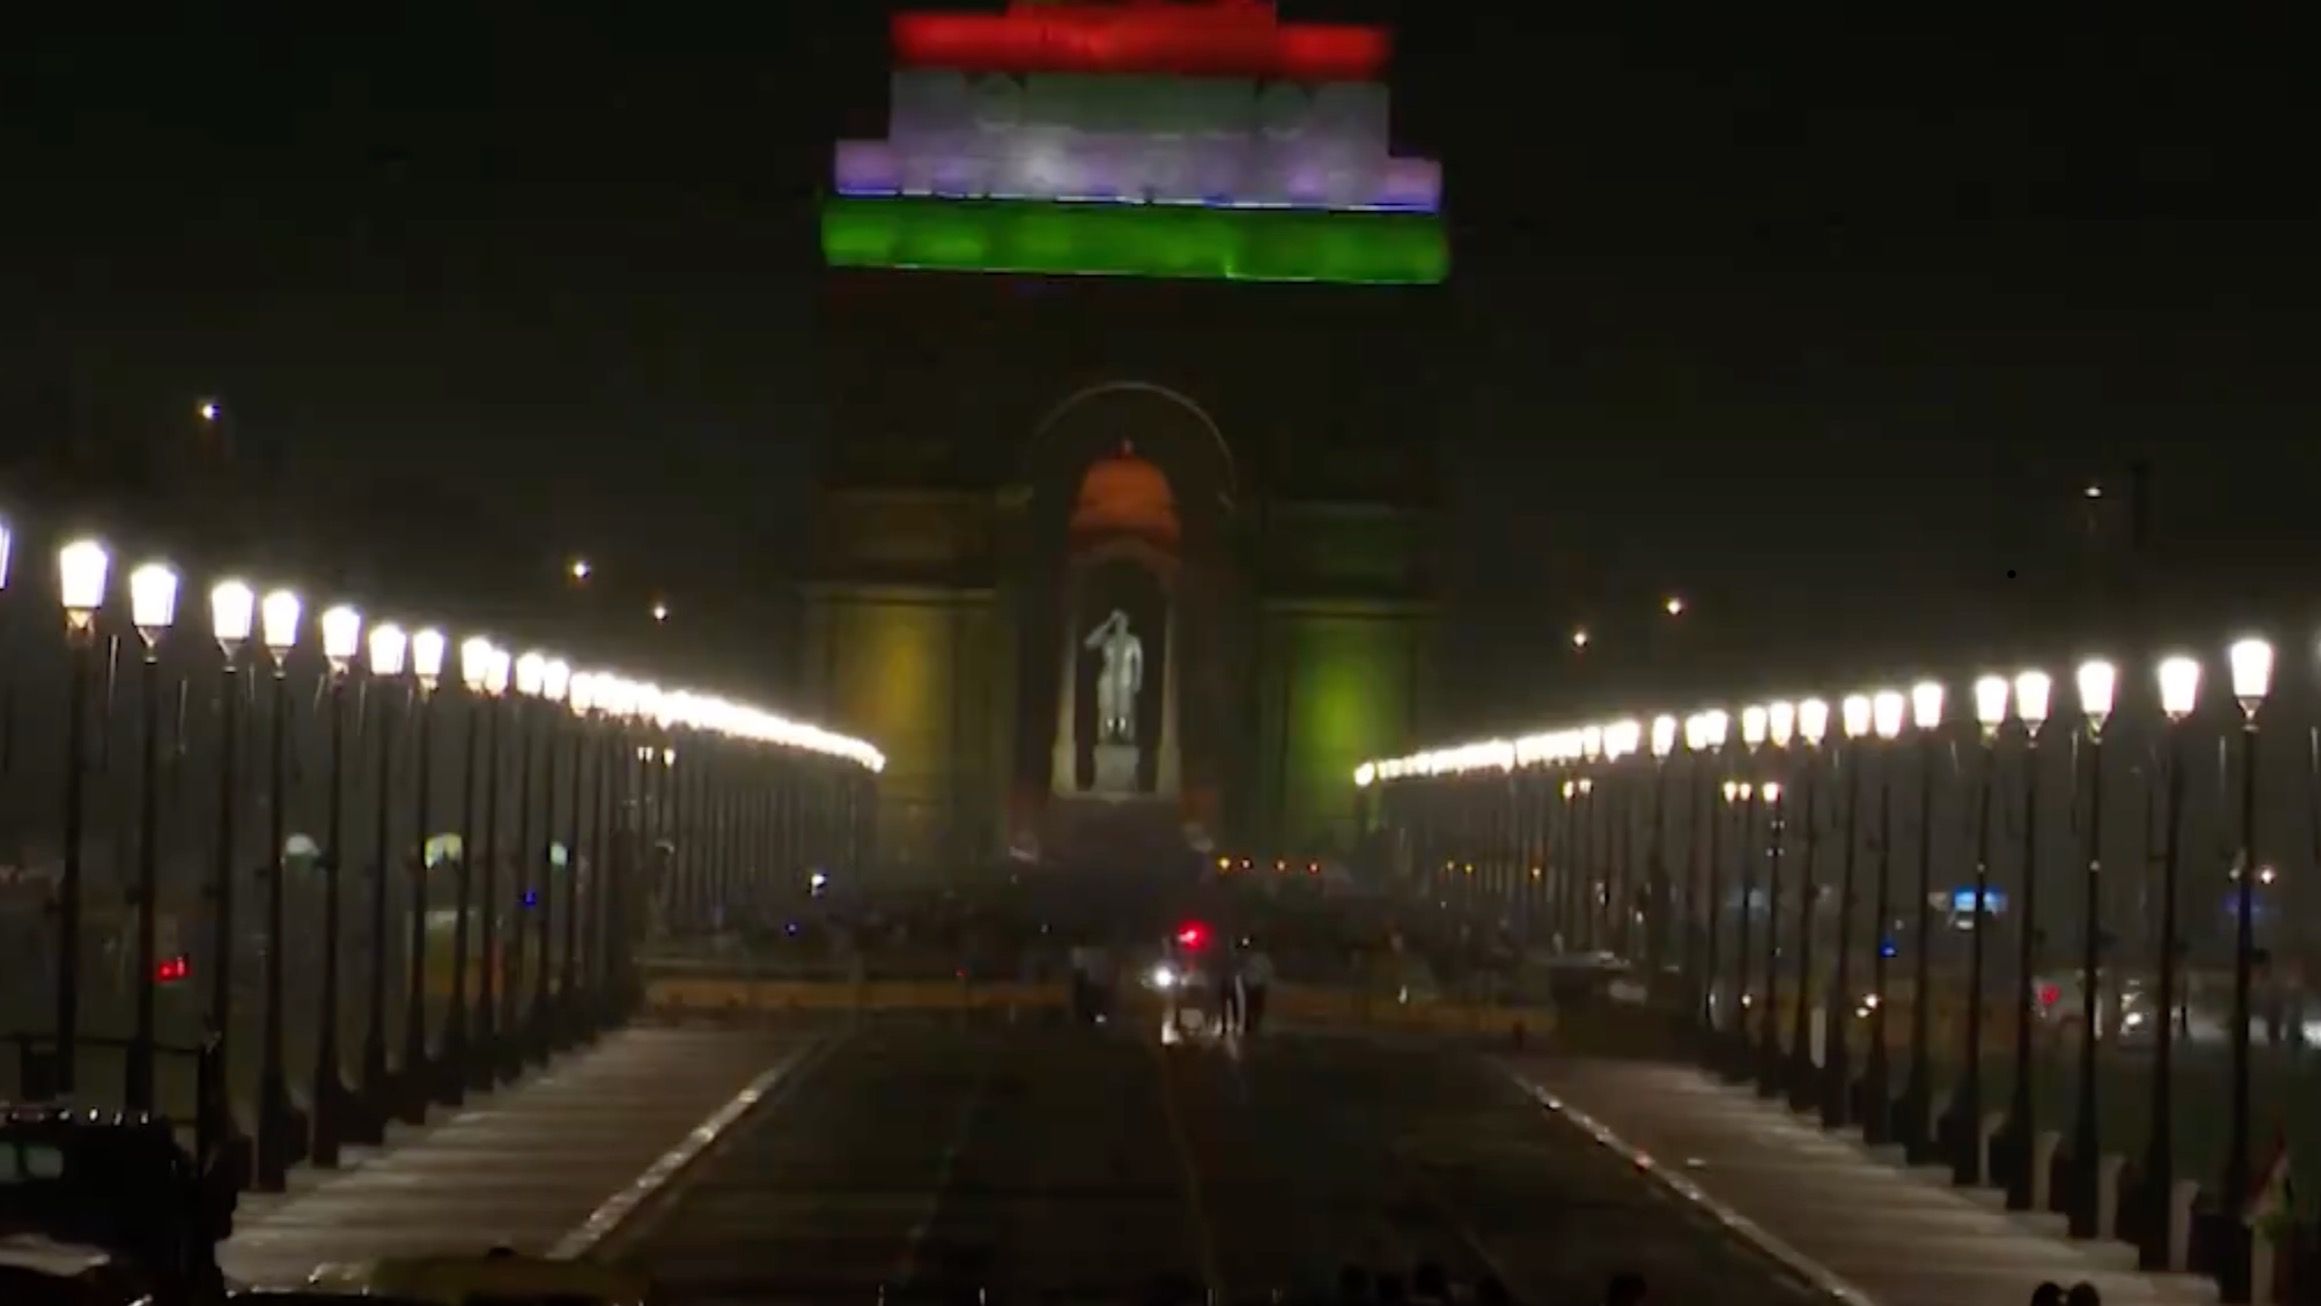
(233, 613)
(524, 895)
(1709, 894)
(342, 629)
(456, 1058)
(2032, 691)
(1592, 859)
(484, 1065)
(1886, 709)
(1812, 728)
(388, 647)
(555, 686)
(1660, 895)
(2179, 690)
(579, 872)
(280, 1129)
(1990, 711)
(81, 569)
(418, 1072)
(152, 608)
(2252, 674)
(1918, 1092)
(1854, 719)
(1781, 720)
(2097, 680)
(1753, 726)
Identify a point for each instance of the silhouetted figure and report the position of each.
(2049, 1293)
(2083, 1293)
(1626, 1289)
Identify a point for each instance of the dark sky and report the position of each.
(1825, 324)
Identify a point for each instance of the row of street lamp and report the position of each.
(744, 805)
(1785, 739)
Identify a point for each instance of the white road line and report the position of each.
(1821, 1277)
(621, 1206)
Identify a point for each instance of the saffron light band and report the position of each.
(1234, 39)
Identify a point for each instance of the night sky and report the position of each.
(1825, 328)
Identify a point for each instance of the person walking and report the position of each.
(1256, 978)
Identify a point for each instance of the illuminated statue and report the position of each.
(1118, 679)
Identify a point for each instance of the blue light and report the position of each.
(531, 897)
(1887, 948)
(1962, 900)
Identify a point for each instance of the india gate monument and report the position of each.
(1123, 544)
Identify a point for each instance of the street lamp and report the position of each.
(233, 613)
(1887, 707)
(1990, 712)
(1855, 715)
(531, 674)
(1580, 638)
(2179, 691)
(1812, 728)
(1918, 1093)
(1708, 873)
(2032, 691)
(555, 686)
(152, 609)
(579, 872)
(1781, 723)
(81, 569)
(2252, 676)
(415, 1074)
(1755, 722)
(660, 610)
(1674, 605)
(281, 1129)
(454, 1056)
(342, 629)
(2097, 681)
(485, 1066)
(389, 649)
(1663, 744)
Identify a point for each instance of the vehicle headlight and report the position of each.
(1163, 977)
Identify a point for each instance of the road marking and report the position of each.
(1197, 1206)
(907, 1264)
(1819, 1277)
(623, 1206)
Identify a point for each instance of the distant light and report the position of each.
(1365, 775)
(2252, 672)
(233, 609)
(660, 610)
(817, 881)
(209, 410)
(81, 568)
(2093, 490)
(1580, 637)
(152, 599)
(1674, 606)
(2179, 686)
(172, 970)
(531, 897)
(2266, 875)
(580, 570)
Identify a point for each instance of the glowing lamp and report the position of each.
(81, 567)
(2034, 691)
(1886, 707)
(1813, 721)
(1714, 725)
(1926, 704)
(496, 672)
(1663, 735)
(2098, 681)
(1754, 719)
(4, 542)
(531, 673)
(342, 634)
(278, 616)
(1854, 715)
(1990, 701)
(1365, 775)
(233, 610)
(427, 649)
(2252, 672)
(555, 680)
(152, 599)
(2179, 687)
(388, 645)
(1591, 742)
(475, 663)
(1770, 791)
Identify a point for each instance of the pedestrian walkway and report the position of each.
(541, 1166)
(1865, 1229)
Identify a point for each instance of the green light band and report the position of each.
(1136, 240)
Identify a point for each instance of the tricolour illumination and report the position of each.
(2179, 686)
(1235, 40)
(2252, 671)
(1886, 708)
(1855, 715)
(152, 599)
(233, 610)
(2098, 680)
(1135, 240)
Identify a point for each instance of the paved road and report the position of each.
(1059, 1165)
